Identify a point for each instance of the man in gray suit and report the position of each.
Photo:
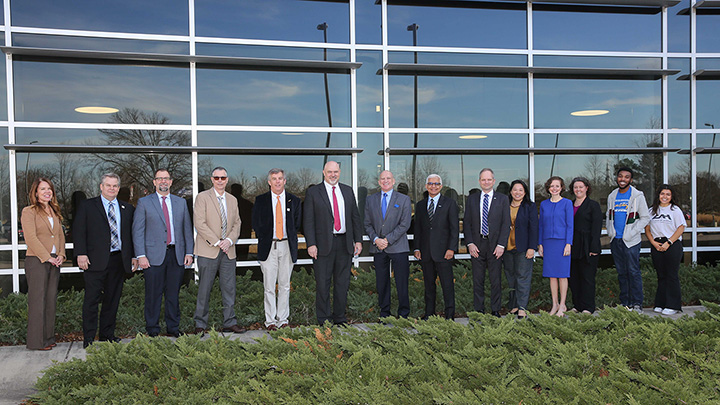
(387, 220)
(163, 242)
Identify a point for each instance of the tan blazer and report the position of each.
(40, 237)
(209, 225)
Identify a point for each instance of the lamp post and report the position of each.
(323, 27)
(414, 28)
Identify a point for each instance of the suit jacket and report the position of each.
(587, 227)
(263, 223)
(91, 234)
(395, 225)
(40, 237)
(434, 238)
(498, 220)
(150, 230)
(318, 219)
(526, 227)
(208, 223)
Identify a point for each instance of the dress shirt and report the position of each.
(341, 204)
(490, 198)
(435, 201)
(169, 206)
(387, 199)
(223, 201)
(116, 205)
(52, 226)
(274, 208)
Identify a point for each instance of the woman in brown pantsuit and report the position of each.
(45, 239)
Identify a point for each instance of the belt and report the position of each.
(484, 236)
(117, 252)
(337, 235)
(171, 246)
(279, 240)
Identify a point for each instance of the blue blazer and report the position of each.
(556, 221)
(150, 232)
(526, 227)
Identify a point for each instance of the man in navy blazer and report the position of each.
(387, 220)
(276, 219)
(437, 233)
(105, 254)
(163, 239)
(333, 233)
(487, 228)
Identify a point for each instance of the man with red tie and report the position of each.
(333, 233)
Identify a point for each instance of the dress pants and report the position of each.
(277, 269)
(401, 268)
(332, 269)
(627, 263)
(667, 265)
(208, 268)
(106, 286)
(42, 279)
(518, 271)
(163, 279)
(431, 271)
(582, 282)
(486, 260)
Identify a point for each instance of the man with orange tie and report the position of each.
(276, 218)
(333, 233)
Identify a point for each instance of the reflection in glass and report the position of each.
(679, 171)
(598, 140)
(452, 102)
(370, 164)
(3, 94)
(679, 94)
(708, 31)
(368, 29)
(446, 58)
(47, 91)
(61, 136)
(297, 139)
(369, 90)
(708, 179)
(679, 27)
(5, 224)
(631, 104)
(272, 52)
(708, 109)
(245, 97)
(596, 31)
(484, 140)
(273, 19)
(100, 44)
(598, 62)
(148, 17)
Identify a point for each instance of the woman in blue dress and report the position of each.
(555, 241)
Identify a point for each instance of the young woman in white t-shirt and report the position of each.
(664, 232)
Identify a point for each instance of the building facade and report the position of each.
(529, 88)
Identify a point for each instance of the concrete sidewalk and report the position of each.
(20, 368)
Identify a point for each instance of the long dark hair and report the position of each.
(660, 189)
(54, 206)
(526, 199)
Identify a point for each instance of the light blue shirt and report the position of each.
(116, 207)
(435, 199)
(389, 196)
(169, 205)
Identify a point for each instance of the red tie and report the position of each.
(167, 220)
(336, 211)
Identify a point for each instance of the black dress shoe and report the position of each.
(200, 331)
(86, 344)
(175, 334)
(496, 314)
(113, 339)
(153, 334)
(235, 329)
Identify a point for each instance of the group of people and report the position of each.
(112, 238)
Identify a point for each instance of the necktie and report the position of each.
(112, 220)
(166, 213)
(278, 219)
(384, 204)
(336, 211)
(485, 210)
(223, 218)
(431, 209)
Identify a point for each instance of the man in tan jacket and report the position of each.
(217, 222)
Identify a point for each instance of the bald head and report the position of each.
(386, 181)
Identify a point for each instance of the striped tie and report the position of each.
(223, 217)
(112, 220)
(485, 211)
(431, 209)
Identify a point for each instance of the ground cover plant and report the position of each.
(615, 357)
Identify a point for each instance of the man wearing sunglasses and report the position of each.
(217, 222)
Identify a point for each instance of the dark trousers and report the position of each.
(431, 271)
(486, 260)
(401, 268)
(163, 279)
(106, 286)
(627, 263)
(667, 264)
(582, 282)
(42, 279)
(333, 269)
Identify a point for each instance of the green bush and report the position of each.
(698, 283)
(616, 357)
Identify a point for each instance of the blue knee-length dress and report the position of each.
(555, 231)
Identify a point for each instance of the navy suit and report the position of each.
(394, 227)
(167, 268)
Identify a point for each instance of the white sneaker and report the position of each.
(657, 309)
(669, 311)
(637, 308)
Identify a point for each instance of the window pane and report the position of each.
(273, 52)
(708, 181)
(368, 29)
(297, 139)
(5, 224)
(445, 58)
(46, 91)
(598, 140)
(629, 104)
(244, 97)
(100, 44)
(598, 62)
(369, 90)
(708, 109)
(370, 164)
(679, 94)
(453, 102)
(679, 173)
(708, 30)
(149, 17)
(273, 19)
(679, 27)
(3, 94)
(136, 137)
(463, 27)
(484, 140)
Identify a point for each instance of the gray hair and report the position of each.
(275, 170)
(218, 168)
(433, 175)
(487, 169)
(110, 175)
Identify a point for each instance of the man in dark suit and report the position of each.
(276, 218)
(104, 250)
(487, 228)
(163, 240)
(437, 232)
(387, 220)
(333, 233)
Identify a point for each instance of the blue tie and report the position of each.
(384, 204)
(485, 210)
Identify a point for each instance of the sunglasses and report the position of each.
(219, 178)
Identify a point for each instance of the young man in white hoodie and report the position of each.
(627, 216)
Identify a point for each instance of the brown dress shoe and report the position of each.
(235, 329)
(271, 327)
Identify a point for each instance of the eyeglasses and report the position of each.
(163, 178)
(434, 184)
(218, 178)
